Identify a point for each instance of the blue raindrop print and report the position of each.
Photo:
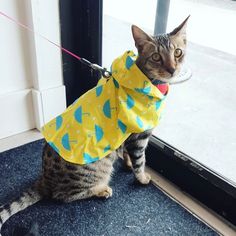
(129, 62)
(107, 109)
(122, 126)
(78, 114)
(59, 120)
(89, 159)
(54, 147)
(139, 122)
(144, 91)
(116, 83)
(107, 148)
(158, 104)
(99, 90)
(130, 101)
(65, 141)
(99, 133)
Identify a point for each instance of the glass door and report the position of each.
(198, 124)
(200, 115)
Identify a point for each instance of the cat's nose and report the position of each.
(171, 70)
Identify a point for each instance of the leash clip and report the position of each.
(105, 73)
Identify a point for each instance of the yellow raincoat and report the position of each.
(99, 121)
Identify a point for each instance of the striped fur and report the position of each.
(165, 47)
(27, 198)
(67, 182)
(64, 181)
(134, 149)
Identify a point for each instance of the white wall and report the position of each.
(31, 84)
(15, 70)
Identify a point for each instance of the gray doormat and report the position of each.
(132, 210)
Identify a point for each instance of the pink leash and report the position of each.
(104, 72)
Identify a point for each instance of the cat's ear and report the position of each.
(140, 37)
(180, 31)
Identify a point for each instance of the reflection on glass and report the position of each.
(200, 114)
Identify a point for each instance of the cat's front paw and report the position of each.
(144, 178)
(107, 192)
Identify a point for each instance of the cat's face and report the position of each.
(160, 57)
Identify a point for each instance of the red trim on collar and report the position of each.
(163, 88)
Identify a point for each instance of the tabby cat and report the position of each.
(159, 58)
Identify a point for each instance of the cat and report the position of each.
(159, 58)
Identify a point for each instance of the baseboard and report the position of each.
(204, 214)
(19, 139)
(48, 104)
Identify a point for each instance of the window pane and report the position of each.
(117, 21)
(200, 114)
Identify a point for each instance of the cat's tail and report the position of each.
(27, 198)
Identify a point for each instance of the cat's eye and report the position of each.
(156, 57)
(178, 52)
